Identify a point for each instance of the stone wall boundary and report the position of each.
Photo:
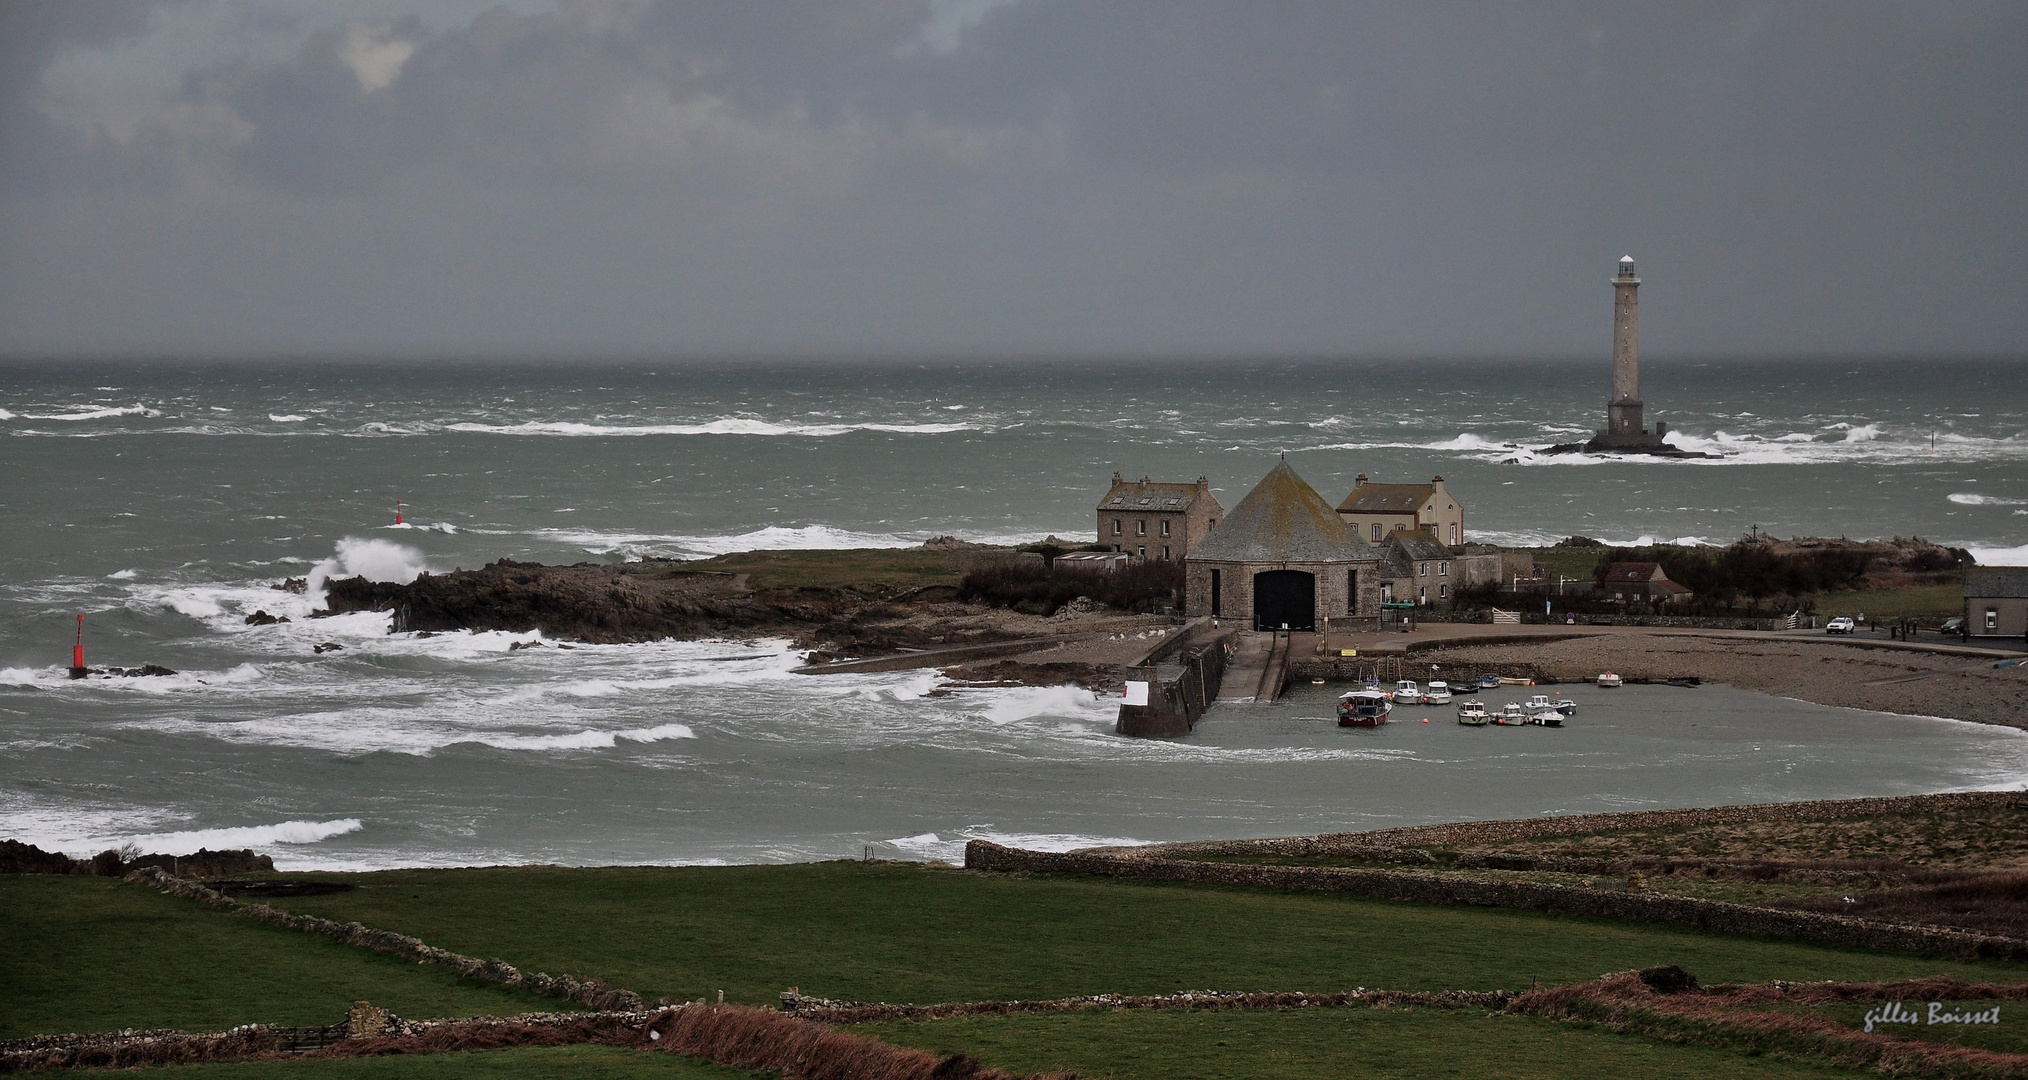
(590, 993)
(1434, 888)
(825, 1011)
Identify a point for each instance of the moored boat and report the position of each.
(1406, 692)
(1473, 714)
(1364, 708)
(1469, 686)
(1513, 715)
(1609, 680)
(1563, 705)
(1438, 692)
(1547, 718)
(1489, 682)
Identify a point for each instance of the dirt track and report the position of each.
(1810, 670)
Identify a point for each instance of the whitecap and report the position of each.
(722, 426)
(1999, 556)
(1965, 498)
(94, 414)
(286, 418)
(251, 836)
(121, 575)
(374, 560)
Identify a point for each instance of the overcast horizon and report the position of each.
(1008, 180)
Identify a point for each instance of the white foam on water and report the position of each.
(950, 847)
(286, 418)
(771, 538)
(1015, 704)
(122, 575)
(94, 414)
(731, 425)
(22, 676)
(251, 836)
(1965, 498)
(2000, 556)
(372, 559)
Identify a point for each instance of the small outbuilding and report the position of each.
(1996, 601)
(1283, 560)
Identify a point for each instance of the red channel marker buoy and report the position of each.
(77, 668)
(398, 504)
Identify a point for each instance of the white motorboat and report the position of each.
(1473, 714)
(1364, 708)
(1547, 718)
(1406, 692)
(1544, 703)
(1609, 680)
(1438, 692)
(1511, 716)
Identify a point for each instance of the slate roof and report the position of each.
(1282, 519)
(1386, 498)
(1418, 544)
(1634, 572)
(1128, 495)
(1990, 582)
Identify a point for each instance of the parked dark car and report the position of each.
(1953, 625)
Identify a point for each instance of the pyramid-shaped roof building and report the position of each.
(1282, 520)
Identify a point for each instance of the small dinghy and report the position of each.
(1609, 680)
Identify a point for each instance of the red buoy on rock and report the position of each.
(77, 668)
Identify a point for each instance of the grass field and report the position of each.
(1924, 602)
(92, 954)
(577, 1062)
(1304, 1044)
(902, 932)
(900, 567)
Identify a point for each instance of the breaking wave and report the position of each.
(374, 560)
(722, 426)
(253, 836)
(91, 414)
(1963, 498)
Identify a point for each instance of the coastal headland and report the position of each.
(911, 606)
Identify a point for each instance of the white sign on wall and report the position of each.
(1136, 693)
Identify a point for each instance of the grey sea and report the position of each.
(163, 501)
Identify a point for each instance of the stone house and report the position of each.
(1996, 601)
(1640, 583)
(1283, 558)
(1375, 510)
(1415, 567)
(1156, 521)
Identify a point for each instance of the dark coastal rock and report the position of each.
(297, 585)
(143, 670)
(19, 858)
(329, 646)
(262, 618)
(520, 645)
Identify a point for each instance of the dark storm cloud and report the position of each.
(1141, 177)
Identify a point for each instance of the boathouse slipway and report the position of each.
(1282, 557)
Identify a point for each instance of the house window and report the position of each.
(1142, 551)
(1454, 534)
(1992, 618)
(1217, 596)
(1213, 525)
(1116, 526)
(1422, 570)
(1423, 597)
(1443, 569)
(1141, 527)
(1443, 591)
(1165, 553)
(1351, 592)
(1376, 530)
(1165, 526)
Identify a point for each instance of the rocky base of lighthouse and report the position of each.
(1644, 445)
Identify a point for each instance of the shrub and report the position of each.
(1030, 586)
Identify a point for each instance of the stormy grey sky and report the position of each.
(261, 177)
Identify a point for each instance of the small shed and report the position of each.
(1996, 601)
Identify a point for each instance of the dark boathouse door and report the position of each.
(1284, 597)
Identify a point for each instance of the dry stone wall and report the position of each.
(1435, 888)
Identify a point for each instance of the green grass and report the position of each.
(1308, 1043)
(577, 1062)
(897, 932)
(1916, 602)
(1579, 563)
(900, 567)
(2009, 1036)
(92, 954)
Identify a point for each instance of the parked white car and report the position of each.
(1841, 625)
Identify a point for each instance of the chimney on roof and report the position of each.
(1116, 476)
(1438, 480)
(1203, 484)
(1359, 481)
(1146, 480)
